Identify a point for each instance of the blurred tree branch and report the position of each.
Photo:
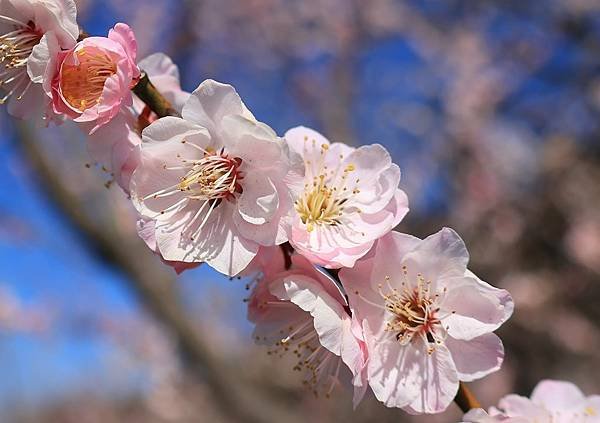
(157, 291)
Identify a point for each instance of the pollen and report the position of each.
(413, 311)
(324, 202)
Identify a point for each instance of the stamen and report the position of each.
(325, 197)
(15, 48)
(83, 76)
(413, 311)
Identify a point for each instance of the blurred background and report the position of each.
(491, 109)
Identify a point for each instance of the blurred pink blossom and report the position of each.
(552, 401)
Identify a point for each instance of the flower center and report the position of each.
(319, 366)
(214, 177)
(209, 180)
(325, 192)
(414, 312)
(15, 49)
(83, 75)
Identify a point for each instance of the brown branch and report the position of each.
(148, 93)
(465, 398)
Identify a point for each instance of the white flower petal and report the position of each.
(557, 395)
(474, 307)
(211, 102)
(477, 357)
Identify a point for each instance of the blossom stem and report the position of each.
(148, 93)
(465, 399)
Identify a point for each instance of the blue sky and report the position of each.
(42, 260)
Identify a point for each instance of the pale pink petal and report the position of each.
(211, 102)
(259, 200)
(441, 255)
(218, 243)
(257, 145)
(379, 177)
(477, 357)
(30, 106)
(145, 229)
(101, 143)
(478, 415)
(59, 16)
(123, 34)
(394, 372)
(474, 308)
(327, 312)
(518, 406)
(41, 64)
(557, 395)
(164, 74)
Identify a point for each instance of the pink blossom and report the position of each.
(116, 144)
(302, 311)
(552, 401)
(93, 80)
(427, 320)
(478, 415)
(349, 199)
(214, 182)
(28, 28)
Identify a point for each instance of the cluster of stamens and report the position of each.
(210, 180)
(214, 177)
(15, 49)
(83, 77)
(413, 310)
(326, 192)
(320, 366)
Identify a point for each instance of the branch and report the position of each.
(465, 398)
(148, 93)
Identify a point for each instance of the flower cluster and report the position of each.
(552, 401)
(310, 222)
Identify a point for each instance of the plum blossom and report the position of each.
(552, 401)
(116, 145)
(480, 416)
(27, 30)
(93, 80)
(427, 320)
(349, 199)
(301, 311)
(213, 182)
